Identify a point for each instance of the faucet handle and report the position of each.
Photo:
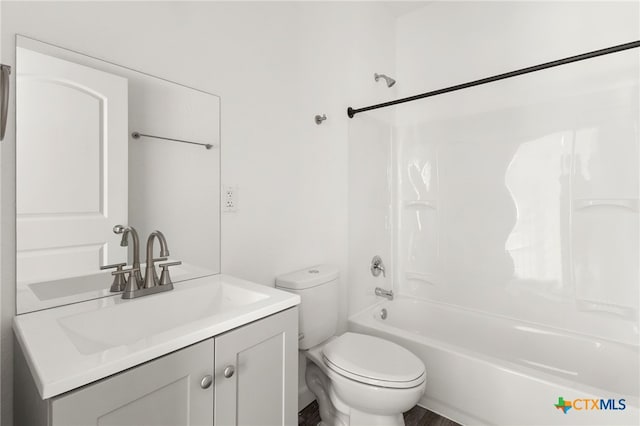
(119, 280)
(131, 284)
(377, 266)
(160, 259)
(114, 265)
(165, 278)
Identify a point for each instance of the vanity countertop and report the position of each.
(71, 346)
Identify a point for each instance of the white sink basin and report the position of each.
(71, 346)
(128, 323)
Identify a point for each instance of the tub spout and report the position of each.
(384, 293)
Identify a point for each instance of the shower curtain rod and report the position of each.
(619, 48)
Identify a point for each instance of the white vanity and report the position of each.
(214, 351)
(103, 150)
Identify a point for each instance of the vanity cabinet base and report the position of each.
(164, 391)
(254, 378)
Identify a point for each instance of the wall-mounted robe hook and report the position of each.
(320, 118)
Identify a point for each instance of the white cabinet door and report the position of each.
(263, 387)
(71, 167)
(163, 392)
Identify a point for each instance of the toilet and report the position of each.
(357, 379)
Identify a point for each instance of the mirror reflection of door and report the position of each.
(71, 168)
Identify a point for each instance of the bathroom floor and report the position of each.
(417, 416)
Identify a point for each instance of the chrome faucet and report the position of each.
(150, 276)
(134, 285)
(377, 266)
(384, 293)
(125, 231)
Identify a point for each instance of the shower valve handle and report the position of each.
(377, 266)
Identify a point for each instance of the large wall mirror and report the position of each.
(99, 145)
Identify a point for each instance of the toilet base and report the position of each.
(318, 383)
(334, 412)
(359, 418)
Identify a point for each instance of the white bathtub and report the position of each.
(489, 370)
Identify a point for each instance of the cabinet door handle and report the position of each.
(228, 371)
(206, 382)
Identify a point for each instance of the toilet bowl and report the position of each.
(355, 388)
(358, 380)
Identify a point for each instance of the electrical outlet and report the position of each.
(230, 199)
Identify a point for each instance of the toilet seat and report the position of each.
(373, 361)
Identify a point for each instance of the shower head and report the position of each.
(390, 81)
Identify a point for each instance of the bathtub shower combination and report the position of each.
(487, 370)
(515, 242)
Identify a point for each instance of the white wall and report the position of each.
(510, 168)
(371, 213)
(451, 42)
(275, 65)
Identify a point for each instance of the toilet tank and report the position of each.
(317, 287)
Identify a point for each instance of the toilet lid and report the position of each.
(374, 361)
